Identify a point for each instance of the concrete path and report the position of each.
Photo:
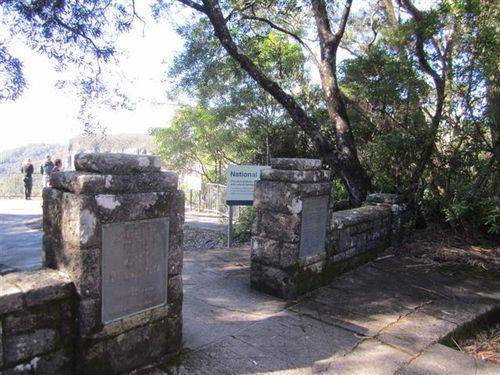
(20, 245)
(386, 317)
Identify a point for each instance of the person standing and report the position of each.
(46, 170)
(27, 171)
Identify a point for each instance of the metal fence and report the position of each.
(211, 198)
(12, 185)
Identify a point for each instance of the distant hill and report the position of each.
(127, 143)
(11, 160)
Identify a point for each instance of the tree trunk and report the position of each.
(349, 167)
(493, 97)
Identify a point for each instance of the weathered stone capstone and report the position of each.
(116, 164)
(80, 182)
(296, 164)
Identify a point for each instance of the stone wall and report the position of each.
(356, 235)
(287, 259)
(37, 329)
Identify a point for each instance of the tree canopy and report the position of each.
(390, 95)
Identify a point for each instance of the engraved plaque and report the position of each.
(134, 267)
(314, 223)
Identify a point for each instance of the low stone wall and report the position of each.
(359, 231)
(298, 244)
(37, 327)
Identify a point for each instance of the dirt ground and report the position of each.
(485, 344)
(446, 248)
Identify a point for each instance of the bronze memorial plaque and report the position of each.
(314, 223)
(134, 267)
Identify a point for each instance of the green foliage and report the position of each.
(389, 92)
(385, 96)
(233, 120)
(242, 229)
(196, 137)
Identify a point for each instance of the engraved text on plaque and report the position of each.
(314, 222)
(134, 267)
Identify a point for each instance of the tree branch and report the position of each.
(284, 31)
(193, 5)
(343, 21)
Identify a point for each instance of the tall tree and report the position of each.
(340, 153)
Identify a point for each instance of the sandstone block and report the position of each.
(11, 296)
(80, 226)
(30, 319)
(280, 226)
(126, 207)
(41, 286)
(289, 254)
(25, 346)
(116, 164)
(52, 200)
(84, 269)
(89, 316)
(55, 363)
(176, 214)
(79, 182)
(271, 280)
(175, 254)
(308, 176)
(266, 251)
(174, 290)
(296, 164)
(277, 196)
(128, 350)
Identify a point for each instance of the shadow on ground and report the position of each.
(378, 319)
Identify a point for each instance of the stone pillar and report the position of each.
(115, 227)
(291, 213)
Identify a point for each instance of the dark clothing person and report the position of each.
(46, 170)
(27, 171)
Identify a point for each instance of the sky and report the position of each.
(45, 114)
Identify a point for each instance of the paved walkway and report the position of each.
(383, 318)
(20, 245)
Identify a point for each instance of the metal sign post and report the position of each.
(240, 187)
(230, 228)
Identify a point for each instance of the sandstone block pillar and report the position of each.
(291, 214)
(115, 227)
